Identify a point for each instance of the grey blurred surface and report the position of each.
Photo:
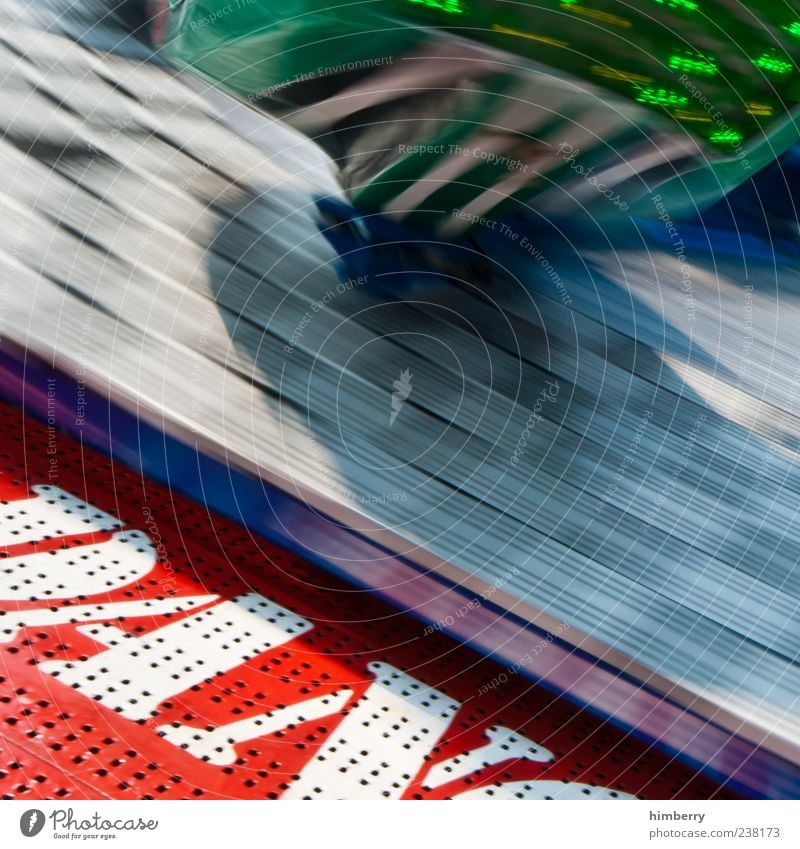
(163, 242)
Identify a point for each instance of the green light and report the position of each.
(726, 137)
(772, 64)
(452, 7)
(692, 66)
(661, 97)
(793, 28)
(689, 5)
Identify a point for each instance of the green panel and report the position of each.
(633, 50)
(721, 71)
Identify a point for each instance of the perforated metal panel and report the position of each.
(151, 650)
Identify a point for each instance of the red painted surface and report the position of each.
(57, 743)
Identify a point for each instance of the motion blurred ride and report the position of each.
(453, 114)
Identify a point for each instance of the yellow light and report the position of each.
(605, 17)
(683, 115)
(614, 74)
(532, 36)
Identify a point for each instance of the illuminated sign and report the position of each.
(692, 65)
(726, 137)
(452, 7)
(689, 5)
(772, 64)
(661, 97)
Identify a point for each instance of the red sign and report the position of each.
(151, 650)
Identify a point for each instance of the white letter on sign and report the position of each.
(83, 570)
(136, 674)
(542, 790)
(12, 620)
(52, 512)
(217, 746)
(378, 748)
(504, 744)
